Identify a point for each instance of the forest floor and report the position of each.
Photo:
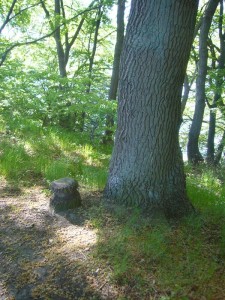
(92, 253)
(45, 256)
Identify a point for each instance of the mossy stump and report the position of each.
(65, 195)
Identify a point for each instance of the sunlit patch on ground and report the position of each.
(45, 256)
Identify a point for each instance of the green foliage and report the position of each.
(38, 98)
(32, 90)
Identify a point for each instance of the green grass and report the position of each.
(45, 154)
(172, 262)
(169, 260)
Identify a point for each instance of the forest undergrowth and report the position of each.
(119, 254)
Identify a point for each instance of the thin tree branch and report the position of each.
(45, 9)
(70, 44)
(8, 15)
(199, 23)
(104, 37)
(47, 14)
(63, 10)
(24, 9)
(4, 55)
(211, 44)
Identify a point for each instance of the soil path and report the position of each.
(45, 256)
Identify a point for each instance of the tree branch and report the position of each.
(8, 15)
(70, 44)
(4, 55)
(7, 51)
(47, 14)
(24, 9)
(107, 35)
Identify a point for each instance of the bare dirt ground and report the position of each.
(45, 256)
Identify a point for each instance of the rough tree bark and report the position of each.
(146, 168)
(194, 155)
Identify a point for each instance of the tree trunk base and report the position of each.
(169, 209)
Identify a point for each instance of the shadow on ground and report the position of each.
(46, 256)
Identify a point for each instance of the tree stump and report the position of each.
(65, 194)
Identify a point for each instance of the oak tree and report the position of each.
(146, 167)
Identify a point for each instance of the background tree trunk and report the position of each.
(59, 46)
(146, 167)
(187, 87)
(99, 14)
(108, 137)
(194, 155)
(219, 151)
(217, 94)
(118, 50)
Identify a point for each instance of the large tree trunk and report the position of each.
(146, 167)
(194, 155)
